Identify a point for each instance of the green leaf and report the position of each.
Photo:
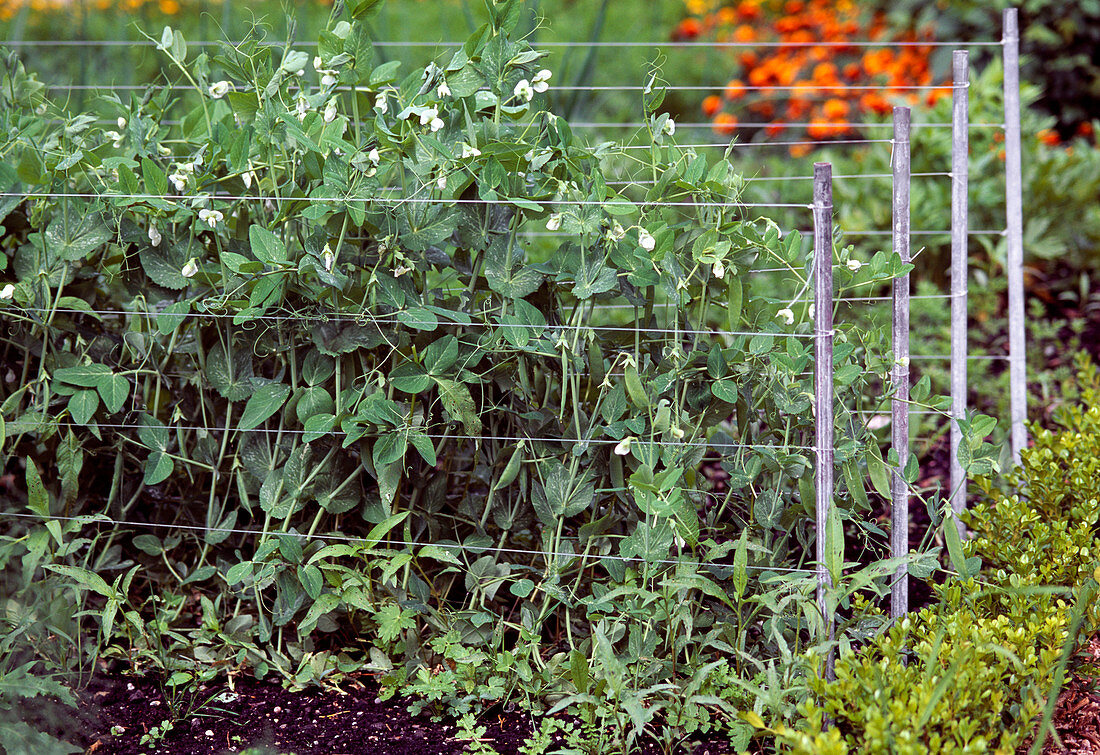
(876, 467)
(113, 389)
(459, 404)
(834, 544)
(155, 180)
(322, 605)
(85, 375)
(726, 390)
(264, 402)
(442, 555)
(172, 317)
(361, 9)
(954, 544)
(83, 578)
(164, 264)
(72, 239)
(440, 355)
(410, 377)
(82, 406)
(311, 579)
(521, 588)
(158, 467)
(266, 245)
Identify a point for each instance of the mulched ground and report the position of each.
(115, 713)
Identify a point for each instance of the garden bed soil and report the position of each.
(116, 712)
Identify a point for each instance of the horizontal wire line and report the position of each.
(411, 43)
(890, 298)
(102, 519)
(393, 320)
(992, 357)
(433, 436)
(571, 88)
(738, 145)
(398, 200)
(784, 124)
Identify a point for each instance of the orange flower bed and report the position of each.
(812, 76)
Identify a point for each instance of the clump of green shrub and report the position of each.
(973, 672)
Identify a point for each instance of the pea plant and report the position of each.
(314, 366)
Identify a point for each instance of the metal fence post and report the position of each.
(960, 205)
(899, 422)
(823, 382)
(1014, 265)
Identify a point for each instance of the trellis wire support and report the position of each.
(823, 386)
(960, 206)
(1014, 265)
(899, 407)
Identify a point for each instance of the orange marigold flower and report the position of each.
(825, 73)
(937, 94)
(799, 150)
(877, 61)
(835, 110)
(744, 33)
(711, 105)
(727, 16)
(873, 102)
(793, 7)
(748, 9)
(689, 28)
(1085, 129)
(852, 71)
(735, 89)
(1049, 137)
(748, 59)
(819, 129)
(724, 123)
(169, 7)
(763, 109)
(797, 108)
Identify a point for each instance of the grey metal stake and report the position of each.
(823, 383)
(1017, 361)
(899, 421)
(960, 205)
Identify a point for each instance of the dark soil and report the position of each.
(116, 712)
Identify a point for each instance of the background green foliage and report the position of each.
(305, 337)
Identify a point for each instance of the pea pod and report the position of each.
(511, 469)
(634, 387)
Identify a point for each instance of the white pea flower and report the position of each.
(330, 111)
(179, 180)
(427, 114)
(538, 83)
(400, 270)
(328, 259)
(302, 108)
(669, 128)
(468, 151)
(247, 178)
(678, 433)
(115, 137)
(211, 217)
(443, 90)
(300, 72)
(786, 315)
(524, 90)
(154, 235)
(553, 223)
(121, 123)
(645, 240)
(854, 265)
(718, 269)
(373, 155)
(441, 183)
(164, 151)
(41, 109)
(318, 64)
(190, 268)
(219, 89)
(617, 232)
(328, 79)
(622, 448)
(380, 103)
(7, 292)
